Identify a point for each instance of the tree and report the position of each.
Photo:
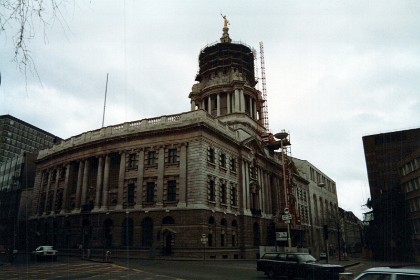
(21, 18)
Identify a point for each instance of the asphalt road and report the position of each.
(75, 268)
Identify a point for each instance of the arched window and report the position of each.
(234, 231)
(147, 232)
(223, 232)
(127, 232)
(211, 231)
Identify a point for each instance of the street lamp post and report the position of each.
(284, 142)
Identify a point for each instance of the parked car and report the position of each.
(390, 273)
(45, 252)
(297, 266)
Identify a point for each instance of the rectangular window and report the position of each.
(222, 240)
(171, 191)
(150, 189)
(172, 157)
(233, 196)
(233, 164)
(223, 193)
(130, 194)
(222, 160)
(212, 196)
(151, 158)
(132, 160)
(210, 155)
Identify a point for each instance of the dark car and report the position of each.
(297, 266)
(390, 273)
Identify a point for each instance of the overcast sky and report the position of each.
(336, 70)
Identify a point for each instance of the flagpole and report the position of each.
(106, 89)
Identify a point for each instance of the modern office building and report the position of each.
(19, 143)
(389, 231)
(17, 136)
(201, 183)
(410, 184)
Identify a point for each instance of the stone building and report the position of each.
(323, 207)
(350, 234)
(170, 185)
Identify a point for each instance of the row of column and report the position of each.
(268, 191)
(102, 182)
(238, 105)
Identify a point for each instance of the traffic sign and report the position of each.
(286, 217)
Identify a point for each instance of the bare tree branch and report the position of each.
(21, 18)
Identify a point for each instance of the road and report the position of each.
(74, 268)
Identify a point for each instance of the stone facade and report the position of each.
(170, 179)
(323, 206)
(202, 183)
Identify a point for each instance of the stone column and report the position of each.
(192, 105)
(99, 180)
(236, 101)
(105, 191)
(228, 96)
(242, 98)
(64, 208)
(183, 176)
(79, 185)
(161, 169)
(254, 111)
(47, 190)
(140, 175)
(38, 184)
(209, 104)
(57, 176)
(218, 104)
(245, 187)
(121, 178)
(85, 182)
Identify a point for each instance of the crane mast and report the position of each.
(264, 88)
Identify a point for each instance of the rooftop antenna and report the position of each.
(106, 90)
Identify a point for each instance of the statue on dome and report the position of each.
(226, 20)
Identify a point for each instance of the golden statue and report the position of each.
(226, 21)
